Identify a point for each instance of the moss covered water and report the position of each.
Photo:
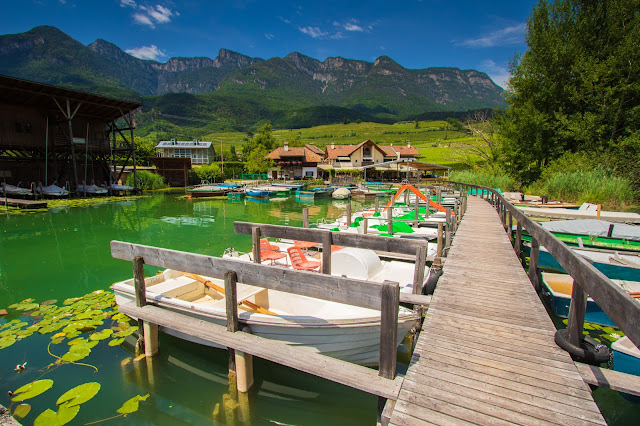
(64, 335)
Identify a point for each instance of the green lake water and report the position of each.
(65, 253)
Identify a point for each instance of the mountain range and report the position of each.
(235, 88)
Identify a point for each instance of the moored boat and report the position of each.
(334, 329)
(92, 189)
(52, 191)
(207, 191)
(557, 290)
(256, 192)
(626, 359)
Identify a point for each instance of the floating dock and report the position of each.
(24, 204)
(487, 354)
(560, 213)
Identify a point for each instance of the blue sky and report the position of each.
(414, 33)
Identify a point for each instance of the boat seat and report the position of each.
(175, 287)
(243, 294)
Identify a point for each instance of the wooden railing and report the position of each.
(623, 310)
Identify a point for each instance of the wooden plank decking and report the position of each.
(24, 204)
(486, 354)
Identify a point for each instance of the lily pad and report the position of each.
(7, 341)
(79, 394)
(116, 342)
(21, 411)
(76, 341)
(76, 353)
(32, 389)
(132, 405)
(64, 415)
(126, 332)
(101, 335)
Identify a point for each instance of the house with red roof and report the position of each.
(366, 153)
(296, 162)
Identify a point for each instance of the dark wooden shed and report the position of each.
(50, 133)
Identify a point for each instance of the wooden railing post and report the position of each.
(518, 242)
(231, 299)
(349, 213)
(148, 332)
(510, 227)
(533, 263)
(577, 310)
(305, 217)
(255, 235)
(440, 231)
(326, 252)
(418, 277)
(389, 329)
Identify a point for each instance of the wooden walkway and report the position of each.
(486, 354)
(23, 204)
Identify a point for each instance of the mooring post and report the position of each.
(418, 277)
(390, 292)
(327, 239)
(305, 217)
(365, 224)
(255, 236)
(440, 231)
(242, 362)
(390, 224)
(533, 263)
(406, 198)
(148, 331)
(416, 212)
(377, 205)
(577, 310)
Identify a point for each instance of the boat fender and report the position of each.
(432, 280)
(590, 350)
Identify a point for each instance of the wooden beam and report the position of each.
(348, 374)
(365, 294)
(611, 379)
(373, 242)
(326, 252)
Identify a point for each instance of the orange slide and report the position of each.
(413, 189)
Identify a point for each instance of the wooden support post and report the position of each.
(255, 235)
(577, 310)
(438, 195)
(305, 217)
(349, 213)
(416, 212)
(388, 333)
(377, 205)
(406, 198)
(231, 299)
(447, 237)
(141, 300)
(151, 338)
(510, 227)
(533, 263)
(440, 231)
(244, 371)
(518, 242)
(327, 238)
(390, 224)
(418, 275)
(365, 224)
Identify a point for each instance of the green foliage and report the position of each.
(147, 180)
(491, 177)
(208, 172)
(598, 186)
(577, 88)
(262, 138)
(256, 161)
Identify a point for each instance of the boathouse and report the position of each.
(52, 134)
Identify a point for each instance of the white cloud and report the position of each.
(143, 20)
(63, 1)
(149, 15)
(269, 36)
(499, 74)
(147, 52)
(505, 36)
(351, 26)
(314, 32)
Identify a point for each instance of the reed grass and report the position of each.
(493, 178)
(597, 186)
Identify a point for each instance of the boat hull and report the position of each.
(351, 338)
(626, 359)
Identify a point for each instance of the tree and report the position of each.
(256, 161)
(263, 137)
(486, 145)
(577, 88)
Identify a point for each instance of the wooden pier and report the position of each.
(24, 204)
(487, 353)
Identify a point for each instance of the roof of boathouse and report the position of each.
(184, 144)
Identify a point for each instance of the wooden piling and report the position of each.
(575, 319)
(305, 217)
(390, 224)
(418, 277)
(326, 252)
(533, 263)
(390, 293)
(377, 205)
(348, 213)
(518, 242)
(416, 212)
(365, 224)
(440, 231)
(255, 235)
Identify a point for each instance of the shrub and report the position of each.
(147, 180)
(208, 172)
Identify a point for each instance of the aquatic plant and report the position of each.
(76, 317)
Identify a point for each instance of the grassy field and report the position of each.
(435, 140)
